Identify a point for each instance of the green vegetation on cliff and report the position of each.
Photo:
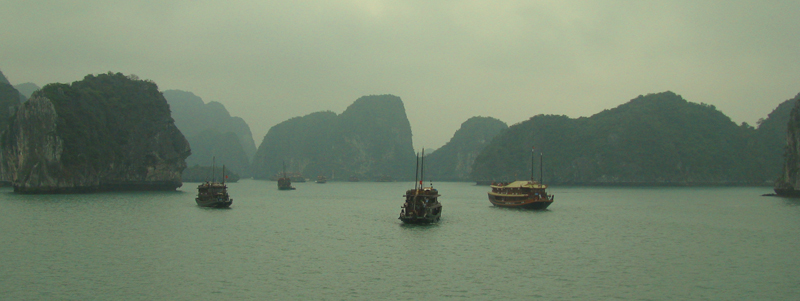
(9, 100)
(108, 130)
(98, 115)
(770, 137)
(655, 139)
(789, 181)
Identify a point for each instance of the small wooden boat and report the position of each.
(214, 194)
(285, 183)
(422, 206)
(321, 180)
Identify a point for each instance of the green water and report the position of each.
(343, 241)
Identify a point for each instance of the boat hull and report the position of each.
(522, 201)
(420, 219)
(427, 211)
(214, 203)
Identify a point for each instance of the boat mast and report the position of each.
(416, 173)
(223, 174)
(214, 169)
(533, 150)
(541, 169)
(422, 169)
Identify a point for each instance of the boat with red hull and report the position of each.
(520, 194)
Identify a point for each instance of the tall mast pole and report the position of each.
(532, 151)
(416, 173)
(541, 169)
(422, 169)
(213, 169)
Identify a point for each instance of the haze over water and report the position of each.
(342, 241)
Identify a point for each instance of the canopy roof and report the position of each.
(522, 184)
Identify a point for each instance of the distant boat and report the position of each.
(321, 180)
(285, 183)
(352, 179)
(214, 194)
(422, 203)
(384, 179)
(521, 194)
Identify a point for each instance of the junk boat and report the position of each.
(521, 194)
(214, 194)
(422, 203)
(321, 180)
(285, 183)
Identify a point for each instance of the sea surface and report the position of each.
(343, 241)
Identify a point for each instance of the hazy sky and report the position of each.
(268, 61)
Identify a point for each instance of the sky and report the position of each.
(268, 61)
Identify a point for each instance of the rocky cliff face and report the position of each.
(789, 182)
(107, 132)
(453, 161)
(369, 140)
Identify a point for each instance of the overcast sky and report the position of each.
(268, 61)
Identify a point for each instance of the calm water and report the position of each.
(343, 241)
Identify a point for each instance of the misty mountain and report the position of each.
(654, 139)
(27, 89)
(453, 161)
(370, 139)
(199, 173)
(209, 128)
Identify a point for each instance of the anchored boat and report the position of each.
(522, 194)
(422, 203)
(214, 194)
(285, 183)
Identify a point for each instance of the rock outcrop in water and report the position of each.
(371, 139)
(106, 132)
(789, 182)
(453, 161)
